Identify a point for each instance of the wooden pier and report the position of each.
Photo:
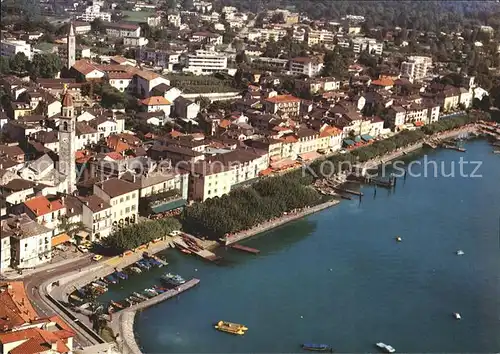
(453, 147)
(374, 181)
(239, 247)
(348, 191)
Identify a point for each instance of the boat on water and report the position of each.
(140, 296)
(116, 304)
(111, 279)
(399, 239)
(136, 270)
(460, 253)
(143, 265)
(457, 316)
(155, 262)
(173, 279)
(150, 292)
(76, 298)
(385, 347)
(185, 250)
(317, 347)
(135, 299)
(229, 327)
(120, 275)
(101, 283)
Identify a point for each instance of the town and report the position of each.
(115, 114)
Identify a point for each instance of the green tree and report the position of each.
(18, 62)
(44, 65)
(4, 65)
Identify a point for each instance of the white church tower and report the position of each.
(71, 46)
(67, 143)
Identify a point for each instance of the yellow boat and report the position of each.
(229, 327)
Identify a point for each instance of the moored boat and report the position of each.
(76, 298)
(120, 275)
(316, 347)
(116, 304)
(140, 296)
(229, 327)
(185, 250)
(173, 279)
(136, 270)
(111, 279)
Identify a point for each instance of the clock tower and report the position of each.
(67, 143)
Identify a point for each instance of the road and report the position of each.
(33, 283)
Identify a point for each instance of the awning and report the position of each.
(308, 156)
(59, 239)
(349, 142)
(282, 164)
(419, 123)
(266, 172)
(357, 139)
(178, 203)
(366, 137)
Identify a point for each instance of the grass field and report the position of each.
(136, 16)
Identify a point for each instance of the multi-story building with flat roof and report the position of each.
(416, 67)
(204, 62)
(10, 48)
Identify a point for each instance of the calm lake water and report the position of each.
(339, 277)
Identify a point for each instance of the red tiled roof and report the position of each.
(114, 155)
(155, 101)
(383, 82)
(84, 67)
(67, 100)
(283, 99)
(15, 307)
(42, 206)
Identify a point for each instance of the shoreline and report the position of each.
(274, 223)
(123, 324)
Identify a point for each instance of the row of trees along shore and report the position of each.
(270, 197)
(244, 208)
(135, 235)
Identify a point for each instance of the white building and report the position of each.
(319, 37)
(207, 37)
(123, 197)
(416, 67)
(266, 34)
(93, 12)
(204, 62)
(30, 241)
(306, 66)
(97, 217)
(122, 30)
(11, 48)
(157, 103)
(369, 44)
(174, 20)
(135, 41)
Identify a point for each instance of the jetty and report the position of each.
(453, 147)
(190, 243)
(239, 247)
(373, 181)
(123, 324)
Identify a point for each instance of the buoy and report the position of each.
(196, 269)
(331, 270)
(301, 316)
(399, 239)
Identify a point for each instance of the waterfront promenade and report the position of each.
(122, 323)
(271, 224)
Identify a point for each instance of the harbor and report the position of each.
(372, 288)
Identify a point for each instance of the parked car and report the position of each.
(83, 249)
(97, 257)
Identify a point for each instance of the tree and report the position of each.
(44, 65)
(4, 65)
(97, 26)
(18, 62)
(241, 57)
(71, 228)
(278, 17)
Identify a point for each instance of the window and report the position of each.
(133, 207)
(128, 197)
(208, 192)
(127, 210)
(121, 200)
(133, 195)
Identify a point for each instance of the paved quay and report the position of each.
(271, 224)
(123, 321)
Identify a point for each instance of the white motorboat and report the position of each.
(385, 347)
(457, 315)
(460, 253)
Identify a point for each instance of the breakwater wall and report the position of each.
(278, 222)
(123, 322)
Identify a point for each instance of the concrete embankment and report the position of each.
(123, 322)
(278, 222)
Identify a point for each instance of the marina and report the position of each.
(370, 285)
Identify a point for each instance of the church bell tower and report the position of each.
(71, 47)
(67, 143)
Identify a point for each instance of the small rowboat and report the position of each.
(316, 347)
(116, 304)
(185, 250)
